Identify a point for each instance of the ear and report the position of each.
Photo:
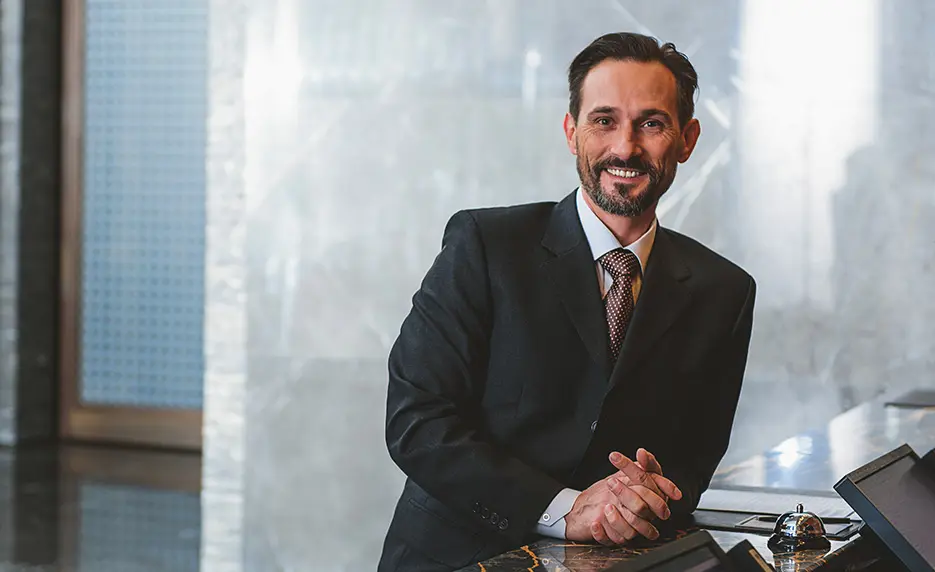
(570, 127)
(690, 134)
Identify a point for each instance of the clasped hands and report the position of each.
(622, 506)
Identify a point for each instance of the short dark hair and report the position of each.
(625, 46)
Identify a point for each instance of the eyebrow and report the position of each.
(645, 114)
(651, 112)
(602, 110)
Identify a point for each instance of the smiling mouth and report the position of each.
(625, 173)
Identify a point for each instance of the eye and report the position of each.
(604, 121)
(654, 124)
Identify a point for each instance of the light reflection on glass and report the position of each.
(805, 110)
(793, 449)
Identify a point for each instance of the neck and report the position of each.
(626, 229)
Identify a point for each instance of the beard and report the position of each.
(620, 201)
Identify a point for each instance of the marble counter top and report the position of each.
(810, 462)
(563, 556)
(551, 554)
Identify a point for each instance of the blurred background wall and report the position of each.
(350, 131)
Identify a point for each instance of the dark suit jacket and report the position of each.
(502, 392)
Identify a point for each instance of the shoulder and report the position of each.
(707, 264)
(508, 223)
(511, 215)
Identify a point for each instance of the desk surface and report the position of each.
(812, 461)
(562, 556)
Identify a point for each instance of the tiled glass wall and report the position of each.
(144, 202)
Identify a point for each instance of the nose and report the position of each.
(626, 143)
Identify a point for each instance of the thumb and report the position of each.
(648, 461)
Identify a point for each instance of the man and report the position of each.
(549, 341)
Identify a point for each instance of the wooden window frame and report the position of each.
(171, 428)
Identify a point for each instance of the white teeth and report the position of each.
(624, 173)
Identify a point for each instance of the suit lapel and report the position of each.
(665, 293)
(573, 274)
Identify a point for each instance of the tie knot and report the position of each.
(620, 262)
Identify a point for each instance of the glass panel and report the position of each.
(144, 203)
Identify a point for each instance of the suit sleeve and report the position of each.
(705, 448)
(437, 372)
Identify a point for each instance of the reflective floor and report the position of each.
(97, 509)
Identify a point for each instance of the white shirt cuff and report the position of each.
(552, 521)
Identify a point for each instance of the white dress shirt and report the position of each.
(601, 240)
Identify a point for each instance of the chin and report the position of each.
(630, 192)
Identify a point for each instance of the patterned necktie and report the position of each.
(623, 266)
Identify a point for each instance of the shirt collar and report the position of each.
(602, 241)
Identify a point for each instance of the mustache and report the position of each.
(633, 164)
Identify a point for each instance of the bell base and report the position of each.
(781, 544)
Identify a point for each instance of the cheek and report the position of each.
(665, 154)
(676, 154)
(591, 149)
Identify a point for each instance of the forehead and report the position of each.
(630, 86)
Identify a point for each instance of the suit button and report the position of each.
(484, 513)
(476, 507)
(593, 427)
(504, 524)
(494, 518)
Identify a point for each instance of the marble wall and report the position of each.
(350, 132)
